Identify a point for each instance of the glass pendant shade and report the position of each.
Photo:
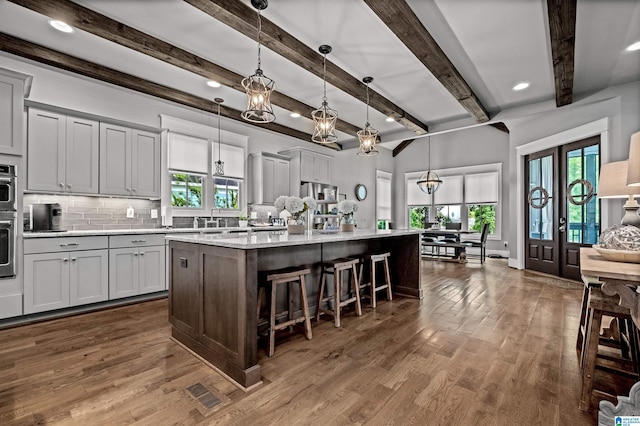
(324, 118)
(368, 136)
(219, 165)
(258, 86)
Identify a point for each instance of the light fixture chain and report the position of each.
(259, 31)
(219, 139)
(324, 77)
(367, 103)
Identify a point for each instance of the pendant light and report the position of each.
(258, 86)
(324, 117)
(430, 181)
(219, 165)
(368, 135)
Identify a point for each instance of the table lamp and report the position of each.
(633, 174)
(613, 184)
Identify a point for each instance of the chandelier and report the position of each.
(324, 118)
(430, 181)
(258, 86)
(368, 135)
(219, 165)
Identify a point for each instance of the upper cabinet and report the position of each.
(307, 166)
(269, 177)
(129, 161)
(62, 153)
(13, 87)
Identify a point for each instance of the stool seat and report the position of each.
(287, 276)
(373, 285)
(337, 267)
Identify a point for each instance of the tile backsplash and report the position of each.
(99, 213)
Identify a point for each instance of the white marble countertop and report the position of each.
(98, 232)
(256, 240)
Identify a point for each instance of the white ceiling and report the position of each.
(493, 43)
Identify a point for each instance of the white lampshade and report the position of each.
(633, 175)
(613, 184)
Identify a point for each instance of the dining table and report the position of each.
(459, 248)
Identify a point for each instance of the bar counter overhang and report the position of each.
(213, 285)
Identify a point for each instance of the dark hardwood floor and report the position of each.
(488, 345)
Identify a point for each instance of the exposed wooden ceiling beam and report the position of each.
(562, 31)
(500, 126)
(117, 32)
(242, 17)
(61, 60)
(401, 146)
(398, 16)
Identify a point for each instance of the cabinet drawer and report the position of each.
(121, 241)
(52, 245)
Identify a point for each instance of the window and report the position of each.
(186, 190)
(226, 194)
(418, 216)
(448, 214)
(479, 214)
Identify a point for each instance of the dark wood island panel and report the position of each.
(213, 289)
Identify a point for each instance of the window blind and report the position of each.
(187, 153)
(450, 191)
(415, 196)
(233, 158)
(481, 188)
(383, 196)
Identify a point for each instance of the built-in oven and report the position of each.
(7, 187)
(7, 244)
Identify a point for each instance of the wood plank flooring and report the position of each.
(488, 345)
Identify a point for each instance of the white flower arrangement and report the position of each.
(295, 205)
(347, 207)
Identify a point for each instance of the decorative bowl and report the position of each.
(629, 256)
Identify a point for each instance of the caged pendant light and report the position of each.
(430, 181)
(324, 118)
(219, 165)
(258, 86)
(368, 135)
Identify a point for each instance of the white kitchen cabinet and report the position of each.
(269, 177)
(12, 93)
(307, 166)
(62, 153)
(129, 161)
(136, 265)
(57, 277)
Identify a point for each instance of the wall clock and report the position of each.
(361, 192)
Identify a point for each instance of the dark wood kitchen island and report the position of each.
(213, 285)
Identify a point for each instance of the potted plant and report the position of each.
(346, 208)
(243, 221)
(296, 207)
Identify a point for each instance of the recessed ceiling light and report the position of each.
(61, 26)
(390, 119)
(212, 83)
(634, 46)
(521, 86)
(294, 115)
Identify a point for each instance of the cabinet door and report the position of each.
(268, 180)
(145, 164)
(46, 282)
(46, 151)
(281, 180)
(322, 169)
(88, 277)
(81, 165)
(307, 167)
(11, 95)
(115, 159)
(123, 273)
(152, 266)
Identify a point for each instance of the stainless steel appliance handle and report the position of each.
(7, 180)
(6, 222)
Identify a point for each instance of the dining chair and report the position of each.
(481, 244)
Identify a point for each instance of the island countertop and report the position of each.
(258, 240)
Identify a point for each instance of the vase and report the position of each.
(347, 224)
(243, 223)
(295, 229)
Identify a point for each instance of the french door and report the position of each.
(562, 210)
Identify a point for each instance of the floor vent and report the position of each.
(208, 401)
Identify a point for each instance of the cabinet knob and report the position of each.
(69, 185)
(135, 189)
(135, 254)
(141, 253)
(73, 259)
(62, 185)
(65, 259)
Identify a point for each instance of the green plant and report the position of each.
(483, 214)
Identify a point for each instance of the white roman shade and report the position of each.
(187, 153)
(233, 157)
(450, 191)
(383, 195)
(415, 197)
(481, 188)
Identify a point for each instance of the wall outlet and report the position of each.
(154, 213)
(130, 213)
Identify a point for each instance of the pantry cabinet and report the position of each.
(269, 177)
(62, 153)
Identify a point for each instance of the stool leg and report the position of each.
(388, 278)
(589, 357)
(356, 286)
(305, 308)
(272, 321)
(290, 297)
(583, 317)
(337, 276)
(373, 284)
(323, 281)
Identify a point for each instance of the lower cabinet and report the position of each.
(64, 279)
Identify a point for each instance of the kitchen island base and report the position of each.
(214, 284)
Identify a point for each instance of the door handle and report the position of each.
(562, 228)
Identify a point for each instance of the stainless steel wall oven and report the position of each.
(8, 217)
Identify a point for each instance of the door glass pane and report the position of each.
(541, 217)
(583, 219)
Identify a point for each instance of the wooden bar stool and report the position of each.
(336, 267)
(372, 259)
(598, 305)
(287, 276)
